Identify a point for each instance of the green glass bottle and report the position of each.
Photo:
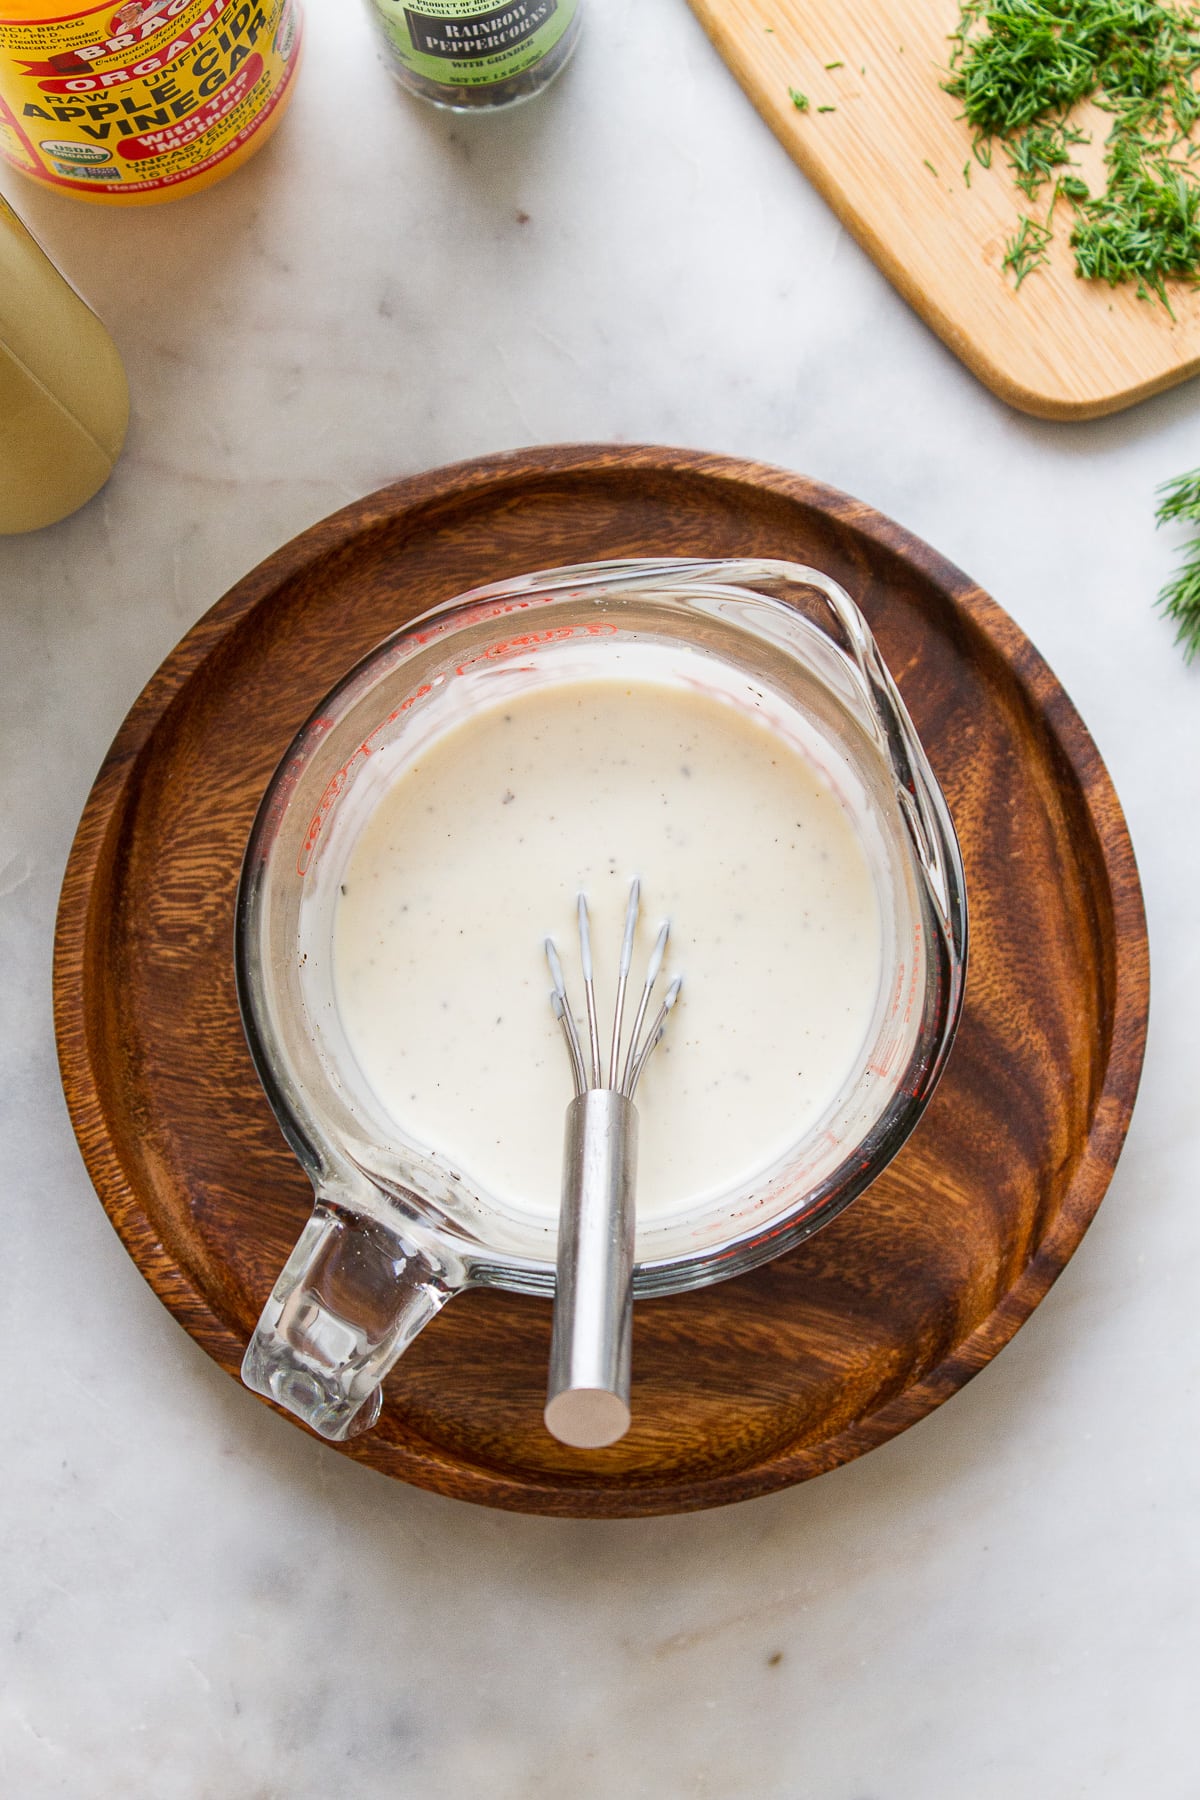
(467, 54)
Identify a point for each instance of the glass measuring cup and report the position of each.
(398, 1228)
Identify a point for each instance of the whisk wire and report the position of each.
(562, 1012)
(655, 1037)
(631, 919)
(589, 987)
(652, 969)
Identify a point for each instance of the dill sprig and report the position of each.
(1026, 251)
(1180, 596)
(1020, 66)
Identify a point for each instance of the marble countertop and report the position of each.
(202, 1604)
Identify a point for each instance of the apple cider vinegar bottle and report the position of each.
(142, 102)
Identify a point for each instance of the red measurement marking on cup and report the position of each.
(915, 971)
(520, 645)
(897, 989)
(499, 609)
(338, 782)
(536, 640)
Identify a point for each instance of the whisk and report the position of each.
(587, 1403)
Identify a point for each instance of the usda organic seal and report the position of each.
(66, 151)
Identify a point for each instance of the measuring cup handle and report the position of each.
(352, 1296)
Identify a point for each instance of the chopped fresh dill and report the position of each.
(1145, 228)
(835, 65)
(798, 100)
(1037, 152)
(929, 165)
(967, 173)
(1180, 596)
(1019, 67)
(827, 109)
(1026, 251)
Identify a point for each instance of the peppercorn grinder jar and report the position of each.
(468, 55)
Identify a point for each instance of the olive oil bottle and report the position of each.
(64, 402)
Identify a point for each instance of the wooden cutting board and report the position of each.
(890, 162)
(740, 1388)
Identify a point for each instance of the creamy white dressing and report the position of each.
(476, 853)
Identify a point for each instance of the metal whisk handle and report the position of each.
(588, 1396)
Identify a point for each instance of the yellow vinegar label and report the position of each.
(132, 101)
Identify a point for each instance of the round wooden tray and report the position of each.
(761, 1381)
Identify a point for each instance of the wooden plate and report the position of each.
(889, 159)
(762, 1381)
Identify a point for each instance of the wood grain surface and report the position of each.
(890, 159)
(761, 1381)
